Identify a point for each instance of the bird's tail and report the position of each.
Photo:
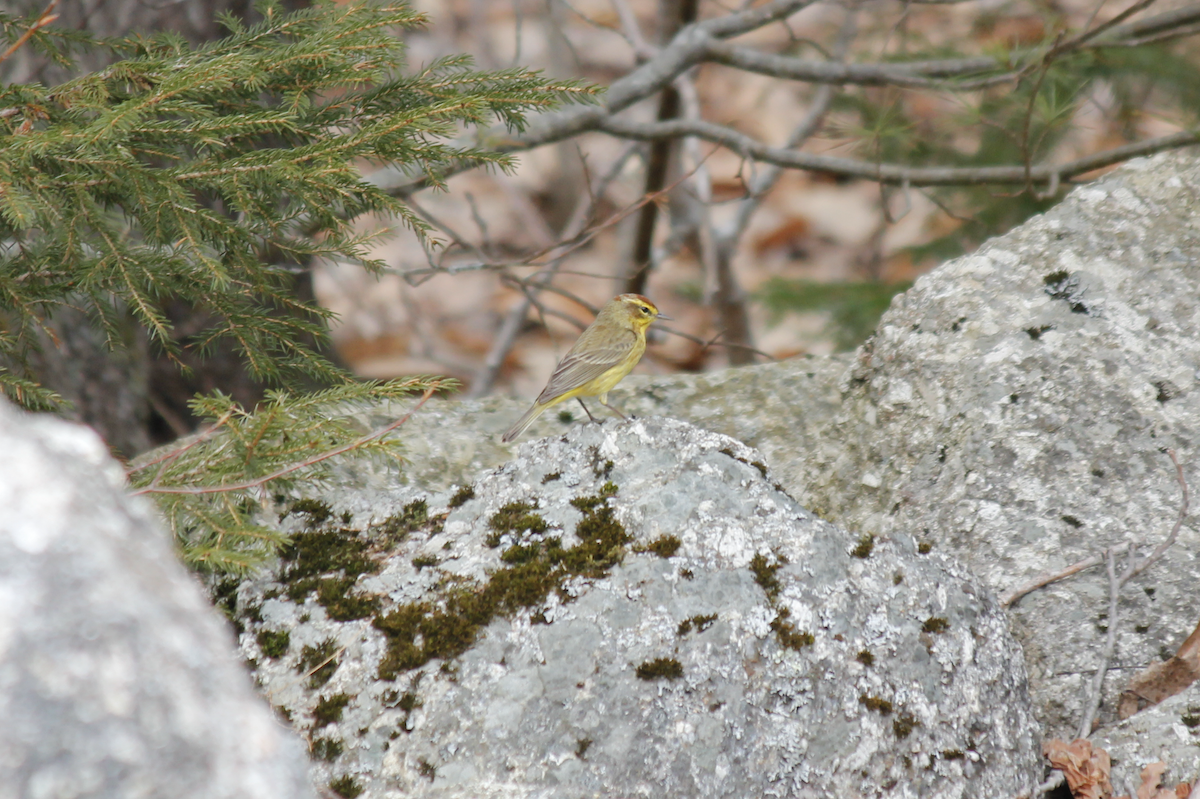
(524, 422)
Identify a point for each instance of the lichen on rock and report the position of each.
(731, 665)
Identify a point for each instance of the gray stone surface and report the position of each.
(1168, 732)
(1013, 422)
(911, 685)
(781, 409)
(117, 678)
(1012, 407)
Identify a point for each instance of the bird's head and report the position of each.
(639, 310)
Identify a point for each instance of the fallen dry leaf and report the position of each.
(1151, 776)
(1162, 680)
(1086, 767)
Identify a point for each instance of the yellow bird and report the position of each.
(605, 352)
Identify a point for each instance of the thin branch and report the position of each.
(1016, 595)
(170, 457)
(1136, 567)
(809, 125)
(45, 19)
(1161, 549)
(1082, 38)
(260, 481)
(896, 174)
(914, 75)
(681, 13)
(1110, 644)
(510, 328)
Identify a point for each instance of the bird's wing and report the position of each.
(587, 360)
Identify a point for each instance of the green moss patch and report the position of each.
(329, 710)
(513, 519)
(311, 555)
(421, 631)
(699, 623)
(274, 643)
(904, 724)
(789, 636)
(935, 624)
(764, 574)
(319, 662)
(317, 511)
(327, 749)
(462, 496)
(664, 546)
(340, 604)
(881, 706)
(660, 669)
(864, 548)
(399, 526)
(786, 633)
(345, 786)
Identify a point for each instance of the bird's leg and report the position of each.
(613, 408)
(585, 409)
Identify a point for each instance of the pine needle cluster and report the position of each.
(214, 488)
(211, 175)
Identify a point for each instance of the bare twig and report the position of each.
(506, 336)
(1161, 549)
(1095, 692)
(1136, 567)
(46, 18)
(895, 174)
(679, 13)
(1044, 580)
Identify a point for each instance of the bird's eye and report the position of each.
(645, 310)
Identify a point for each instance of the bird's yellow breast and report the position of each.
(600, 386)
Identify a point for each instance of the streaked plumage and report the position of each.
(605, 352)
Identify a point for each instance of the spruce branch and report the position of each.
(183, 174)
(214, 488)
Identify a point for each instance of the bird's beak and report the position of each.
(664, 316)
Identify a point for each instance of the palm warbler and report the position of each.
(605, 352)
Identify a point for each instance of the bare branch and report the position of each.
(45, 19)
(896, 174)
(768, 177)
(1110, 645)
(1167, 542)
(681, 13)
(1136, 567)
(1044, 580)
(914, 75)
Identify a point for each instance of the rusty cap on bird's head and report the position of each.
(639, 300)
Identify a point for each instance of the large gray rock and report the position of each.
(656, 617)
(117, 678)
(1012, 409)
